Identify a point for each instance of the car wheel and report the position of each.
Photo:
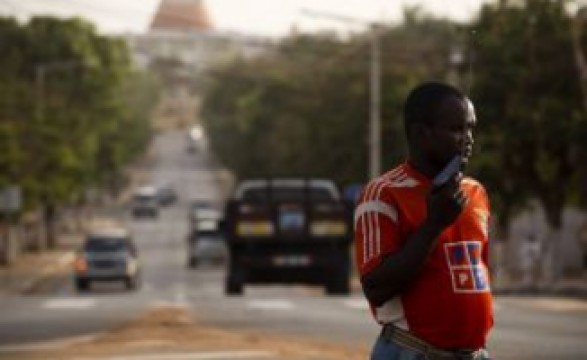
(235, 280)
(233, 286)
(339, 282)
(339, 287)
(82, 285)
(132, 282)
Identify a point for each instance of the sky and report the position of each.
(272, 18)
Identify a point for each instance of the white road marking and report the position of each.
(165, 304)
(210, 355)
(272, 304)
(148, 287)
(180, 296)
(69, 304)
(357, 303)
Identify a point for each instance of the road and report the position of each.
(526, 328)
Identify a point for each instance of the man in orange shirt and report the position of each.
(421, 242)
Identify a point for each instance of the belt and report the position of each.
(391, 333)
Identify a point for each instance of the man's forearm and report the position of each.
(398, 270)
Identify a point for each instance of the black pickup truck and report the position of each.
(288, 231)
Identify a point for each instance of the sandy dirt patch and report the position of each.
(170, 330)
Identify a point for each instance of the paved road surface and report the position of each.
(526, 328)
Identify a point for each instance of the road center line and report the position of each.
(69, 304)
(360, 304)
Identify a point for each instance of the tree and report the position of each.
(74, 113)
(302, 109)
(530, 105)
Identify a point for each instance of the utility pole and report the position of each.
(41, 72)
(374, 140)
(375, 107)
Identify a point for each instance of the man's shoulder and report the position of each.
(394, 181)
(474, 188)
(472, 183)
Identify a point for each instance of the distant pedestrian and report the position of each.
(422, 246)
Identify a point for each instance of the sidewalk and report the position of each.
(30, 270)
(568, 286)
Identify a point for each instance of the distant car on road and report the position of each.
(166, 195)
(107, 254)
(194, 137)
(205, 239)
(201, 209)
(145, 202)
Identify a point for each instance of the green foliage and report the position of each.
(73, 111)
(529, 104)
(303, 108)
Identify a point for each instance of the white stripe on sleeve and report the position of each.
(376, 206)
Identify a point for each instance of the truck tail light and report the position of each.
(254, 228)
(328, 228)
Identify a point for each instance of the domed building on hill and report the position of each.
(181, 44)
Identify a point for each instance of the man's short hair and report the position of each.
(422, 103)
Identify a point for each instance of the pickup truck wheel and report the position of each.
(82, 285)
(339, 284)
(234, 286)
(132, 282)
(235, 280)
(338, 288)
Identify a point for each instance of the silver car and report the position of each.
(145, 202)
(108, 254)
(206, 240)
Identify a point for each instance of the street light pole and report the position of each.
(374, 137)
(375, 110)
(40, 85)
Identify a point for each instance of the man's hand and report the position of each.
(445, 203)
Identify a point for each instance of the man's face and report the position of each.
(452, 132)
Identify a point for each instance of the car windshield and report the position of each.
(104, 244)
(143, 198)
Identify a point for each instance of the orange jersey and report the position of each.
(449, 304)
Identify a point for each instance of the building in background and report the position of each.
(180, 45)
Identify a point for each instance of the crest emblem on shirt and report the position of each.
(467, 271)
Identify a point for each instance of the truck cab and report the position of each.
(288, 231)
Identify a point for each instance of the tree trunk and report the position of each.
(498, 262)
(578, 54)
(551, 258)
(50, 219)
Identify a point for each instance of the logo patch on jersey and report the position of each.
(466, 268)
